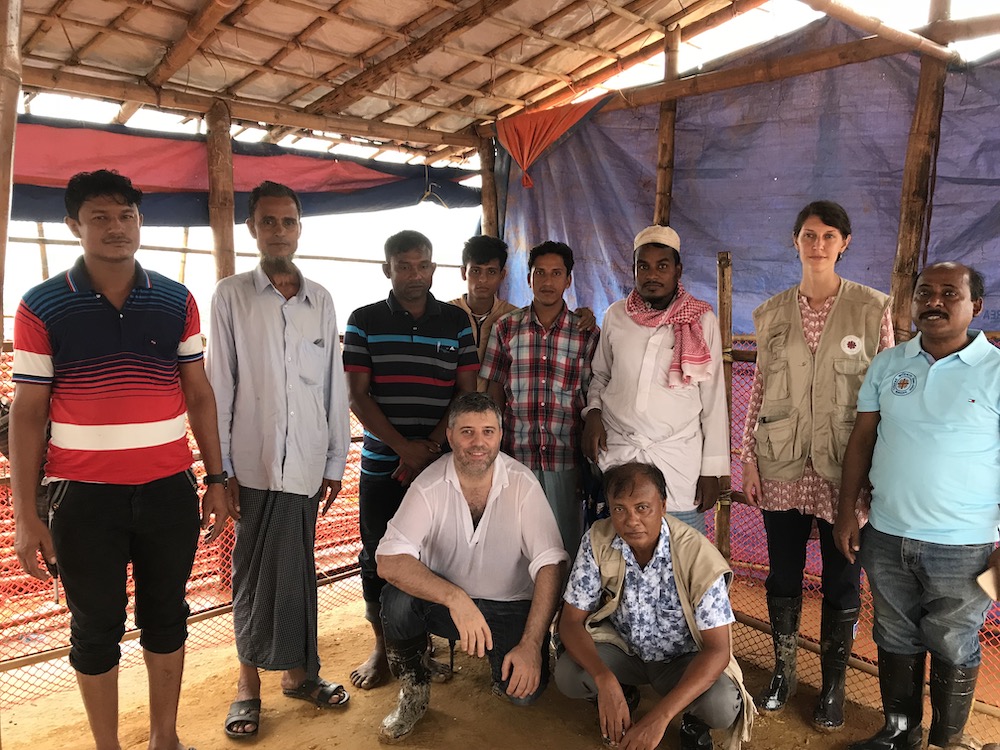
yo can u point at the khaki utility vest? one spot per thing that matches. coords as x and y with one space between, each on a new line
810 402
697 565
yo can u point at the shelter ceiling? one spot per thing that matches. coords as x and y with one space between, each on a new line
414 74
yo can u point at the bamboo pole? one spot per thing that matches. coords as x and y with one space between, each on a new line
723 511
182 273
240 109
220 189
766 71
914 207
43 252
875 26
10 90
668 119
487 162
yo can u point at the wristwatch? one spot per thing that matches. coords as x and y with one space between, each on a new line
222 479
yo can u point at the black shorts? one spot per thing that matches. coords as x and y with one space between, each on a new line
97 529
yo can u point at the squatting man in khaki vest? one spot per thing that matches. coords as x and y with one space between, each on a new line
648 602
473 555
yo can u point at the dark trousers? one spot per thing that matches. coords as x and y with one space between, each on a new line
787 536
378 500
97 529
405 617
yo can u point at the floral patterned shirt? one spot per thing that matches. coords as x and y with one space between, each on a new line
649 617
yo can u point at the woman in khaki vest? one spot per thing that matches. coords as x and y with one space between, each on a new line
814 344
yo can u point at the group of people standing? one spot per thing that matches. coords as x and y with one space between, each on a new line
479 418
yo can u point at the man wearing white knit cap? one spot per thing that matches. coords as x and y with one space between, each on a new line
657 394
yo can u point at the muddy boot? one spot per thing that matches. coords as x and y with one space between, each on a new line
901 679
836 640
695 734
784 613
952 692
406 661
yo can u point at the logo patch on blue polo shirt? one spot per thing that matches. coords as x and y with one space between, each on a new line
904 383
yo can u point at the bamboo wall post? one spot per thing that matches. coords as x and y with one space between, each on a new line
668 119
723 512
918 168
221 215
43 251
487 164
10 90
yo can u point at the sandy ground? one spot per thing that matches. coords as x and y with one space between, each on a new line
463 714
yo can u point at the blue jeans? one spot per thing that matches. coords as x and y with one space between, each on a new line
926 596
691 517
405 617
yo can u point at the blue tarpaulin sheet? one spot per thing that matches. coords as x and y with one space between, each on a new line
746 161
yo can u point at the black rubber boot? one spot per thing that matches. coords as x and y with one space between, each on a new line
784 613
952 693
836 641
695 734
406 662
901 679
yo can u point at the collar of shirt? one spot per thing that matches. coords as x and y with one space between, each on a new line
560 322
78 279
261 282
433 306
497 485
661 555
971 354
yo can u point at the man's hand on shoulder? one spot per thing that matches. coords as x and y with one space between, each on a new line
329 490
588 321
475 637
706 494
595 436
522 666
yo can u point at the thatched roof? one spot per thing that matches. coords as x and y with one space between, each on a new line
418 75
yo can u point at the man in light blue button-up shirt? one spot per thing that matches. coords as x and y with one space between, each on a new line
275 363
928 429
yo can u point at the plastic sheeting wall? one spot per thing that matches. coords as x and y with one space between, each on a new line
748 159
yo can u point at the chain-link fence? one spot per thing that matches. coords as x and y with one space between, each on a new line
35 634
750 565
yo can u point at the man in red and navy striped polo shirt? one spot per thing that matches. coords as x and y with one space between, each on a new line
111 354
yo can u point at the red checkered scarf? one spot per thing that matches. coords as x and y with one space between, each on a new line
691 355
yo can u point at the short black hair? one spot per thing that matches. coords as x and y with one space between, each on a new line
482 248
550 247
104 182
620 480
977 282
473 403
402 242
268 189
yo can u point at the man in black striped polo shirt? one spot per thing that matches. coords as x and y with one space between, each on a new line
405 357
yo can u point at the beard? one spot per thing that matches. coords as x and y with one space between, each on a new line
282 264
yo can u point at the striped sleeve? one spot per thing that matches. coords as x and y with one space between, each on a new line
191 348
32 348
468 352
357 358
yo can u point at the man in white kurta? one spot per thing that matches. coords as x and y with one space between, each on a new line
653 400
473 555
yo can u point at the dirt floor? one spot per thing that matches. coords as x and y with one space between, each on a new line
463 714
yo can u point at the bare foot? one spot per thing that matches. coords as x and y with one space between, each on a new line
440 671
372 673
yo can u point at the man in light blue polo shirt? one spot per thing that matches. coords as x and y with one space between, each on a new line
928 429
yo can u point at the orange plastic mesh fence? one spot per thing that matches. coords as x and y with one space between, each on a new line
750 565
34 624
